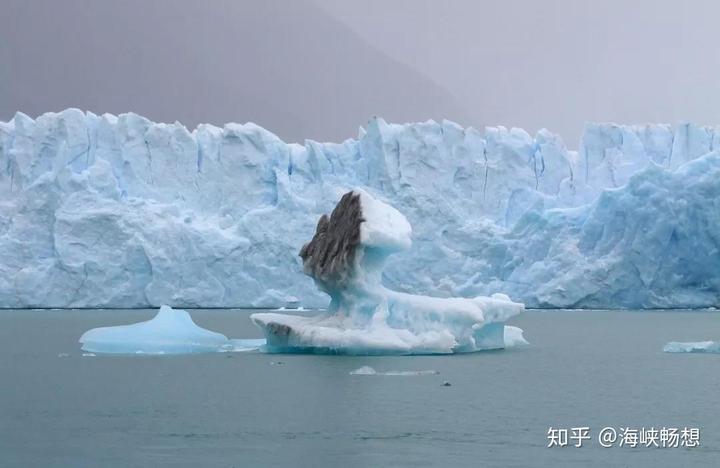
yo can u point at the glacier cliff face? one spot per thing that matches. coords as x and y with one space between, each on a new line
106 211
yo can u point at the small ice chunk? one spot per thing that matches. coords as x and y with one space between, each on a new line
243 345
171 331
693 347
514 337
408 373
367 370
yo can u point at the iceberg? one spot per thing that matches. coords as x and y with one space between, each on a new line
121 212
693 347
171 331
346 259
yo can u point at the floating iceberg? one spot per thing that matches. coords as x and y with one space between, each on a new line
692 347
346 258
171 331
367 370
118 211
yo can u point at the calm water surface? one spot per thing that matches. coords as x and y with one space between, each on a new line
589 368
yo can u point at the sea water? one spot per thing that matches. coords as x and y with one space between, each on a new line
60 406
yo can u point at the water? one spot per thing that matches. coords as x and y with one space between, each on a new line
592 368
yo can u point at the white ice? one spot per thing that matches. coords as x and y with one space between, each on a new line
171 331
365 317
119 212
514 337
692 347
367 370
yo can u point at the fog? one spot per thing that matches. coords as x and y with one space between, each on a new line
320 68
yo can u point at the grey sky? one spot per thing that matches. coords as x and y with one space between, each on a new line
320 68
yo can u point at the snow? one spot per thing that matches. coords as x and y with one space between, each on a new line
692 347
171 331
118 211
364 316
384 227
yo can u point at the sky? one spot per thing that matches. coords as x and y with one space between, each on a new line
319 69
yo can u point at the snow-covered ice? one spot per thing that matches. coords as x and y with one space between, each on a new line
346 258
119 211
171 331
692 347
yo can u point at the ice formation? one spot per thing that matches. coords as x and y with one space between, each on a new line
346 258
106 211
171 331
367 370
514 337
693 347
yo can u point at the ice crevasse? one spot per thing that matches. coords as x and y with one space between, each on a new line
118 211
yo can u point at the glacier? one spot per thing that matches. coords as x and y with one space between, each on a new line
346 258
121 212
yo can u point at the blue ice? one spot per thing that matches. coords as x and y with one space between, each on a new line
171 331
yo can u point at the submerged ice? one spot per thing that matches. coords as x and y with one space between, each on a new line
171 331
119 211
346 259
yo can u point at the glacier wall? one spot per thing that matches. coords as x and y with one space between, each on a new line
118 211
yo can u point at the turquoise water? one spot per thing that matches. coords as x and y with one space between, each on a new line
584 368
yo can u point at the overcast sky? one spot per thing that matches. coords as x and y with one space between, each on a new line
320 68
